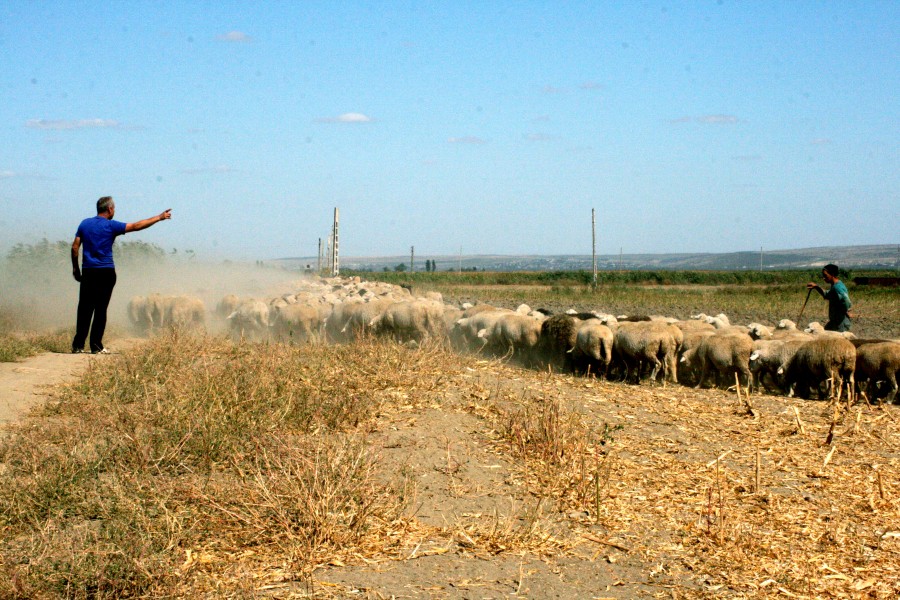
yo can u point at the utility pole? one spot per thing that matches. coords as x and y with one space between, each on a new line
460 260
760 259
594 246
319 260
412 258
335 256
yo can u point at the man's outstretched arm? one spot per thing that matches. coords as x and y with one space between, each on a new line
145 223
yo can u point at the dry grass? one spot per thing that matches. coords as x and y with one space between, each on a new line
193 463
16 344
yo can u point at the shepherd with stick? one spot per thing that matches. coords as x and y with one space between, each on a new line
837 296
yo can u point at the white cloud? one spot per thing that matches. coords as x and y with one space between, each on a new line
549 89
204 170
821 142
62 124
238 37
8 174
591 85
718 119
346 118
467 139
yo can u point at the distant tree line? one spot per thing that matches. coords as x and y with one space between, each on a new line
43 255
430 267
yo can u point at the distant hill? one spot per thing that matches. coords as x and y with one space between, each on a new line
885 256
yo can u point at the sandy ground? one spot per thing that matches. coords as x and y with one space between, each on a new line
30 382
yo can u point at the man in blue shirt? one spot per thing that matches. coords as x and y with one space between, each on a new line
95 237
838 299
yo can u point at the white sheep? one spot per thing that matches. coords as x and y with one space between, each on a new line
227 305
465 331
513 333
718 322
786 324
816 328
351 319
594 341
410 320
725 354
185 312
298 322
653 343
758 331
140 314
688 369
768 356
250 320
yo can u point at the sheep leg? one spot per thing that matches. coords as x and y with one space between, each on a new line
672 367
633 367
702 376
748 377
837 383
656 367
892 381
851 385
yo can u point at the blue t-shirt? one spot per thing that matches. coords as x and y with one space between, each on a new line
97 236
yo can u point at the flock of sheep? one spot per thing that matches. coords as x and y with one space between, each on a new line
697 351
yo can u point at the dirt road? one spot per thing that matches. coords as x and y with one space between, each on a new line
29 382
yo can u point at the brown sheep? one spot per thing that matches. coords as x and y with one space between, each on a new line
824 360
878 362
558 337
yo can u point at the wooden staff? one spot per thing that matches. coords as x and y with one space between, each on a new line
800 316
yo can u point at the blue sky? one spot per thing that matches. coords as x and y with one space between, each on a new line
486 127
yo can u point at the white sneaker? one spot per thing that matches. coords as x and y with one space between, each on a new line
103 351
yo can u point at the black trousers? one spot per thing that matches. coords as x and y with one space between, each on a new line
93 299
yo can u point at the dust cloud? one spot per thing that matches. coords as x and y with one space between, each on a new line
45 298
